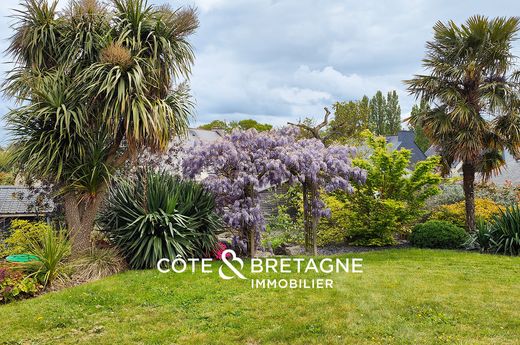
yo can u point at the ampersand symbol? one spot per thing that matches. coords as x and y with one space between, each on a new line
229 264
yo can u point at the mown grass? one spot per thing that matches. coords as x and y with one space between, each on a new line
404 296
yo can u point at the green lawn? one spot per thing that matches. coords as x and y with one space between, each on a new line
404 296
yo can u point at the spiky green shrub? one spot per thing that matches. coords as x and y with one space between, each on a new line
481 238
157 215
52 249
98 263
505 231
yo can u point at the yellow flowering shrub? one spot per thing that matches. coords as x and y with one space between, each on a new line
22 233
456 213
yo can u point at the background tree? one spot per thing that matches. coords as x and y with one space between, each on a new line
473 91
420 137
215 124
96 84
385 114
242 124
350 120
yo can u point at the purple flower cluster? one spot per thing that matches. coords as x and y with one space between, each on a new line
238 167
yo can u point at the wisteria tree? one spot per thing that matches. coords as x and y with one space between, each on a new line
236 169
317 167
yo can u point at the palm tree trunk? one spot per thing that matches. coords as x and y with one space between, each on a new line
80 216
468 173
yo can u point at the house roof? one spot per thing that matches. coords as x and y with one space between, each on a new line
406 140
17 201
510 172
196 135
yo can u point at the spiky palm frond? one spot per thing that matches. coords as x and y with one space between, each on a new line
37 34
50 127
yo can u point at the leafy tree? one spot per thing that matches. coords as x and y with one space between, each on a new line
385 114
215 124
420 137
96 84
392 197
350 119
242 124
393 113
250 123
7 174
473 91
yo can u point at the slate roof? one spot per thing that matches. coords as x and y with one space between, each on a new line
16 201
406 139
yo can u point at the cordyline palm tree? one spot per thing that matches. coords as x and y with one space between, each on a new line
473 90
96 84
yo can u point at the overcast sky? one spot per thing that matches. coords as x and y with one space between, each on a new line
281 60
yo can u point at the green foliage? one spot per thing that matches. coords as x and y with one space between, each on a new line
385 114
281 229
393 198
334 229
22 233
98 263
505 195
250 123
350 120
285 226
157 215
481 238
474 124
242 124
374 221
14 284
438 234
420 136
505 231
52 248
7 173
450 194
215 124
456 213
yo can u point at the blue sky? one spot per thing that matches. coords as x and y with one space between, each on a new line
281 60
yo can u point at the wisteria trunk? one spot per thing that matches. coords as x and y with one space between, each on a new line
251 242
314 219
251 229
310 220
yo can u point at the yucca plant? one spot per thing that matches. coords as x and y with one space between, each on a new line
480 239
157 215
505 236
